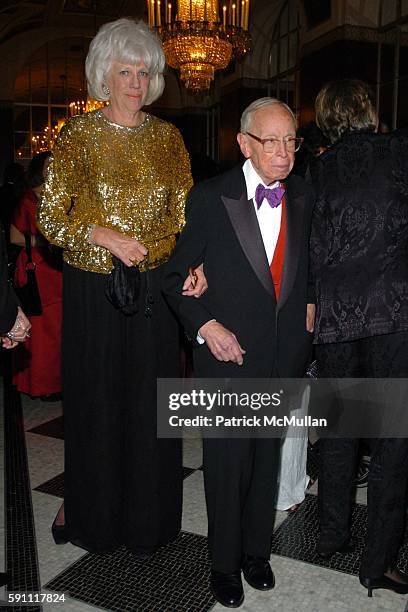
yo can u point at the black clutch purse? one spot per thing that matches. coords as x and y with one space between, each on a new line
29 294
123 287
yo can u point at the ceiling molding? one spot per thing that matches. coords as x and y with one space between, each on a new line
355 33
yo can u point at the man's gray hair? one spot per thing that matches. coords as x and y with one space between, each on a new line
246 117
129 42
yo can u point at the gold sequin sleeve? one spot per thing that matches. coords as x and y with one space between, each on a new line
64 175
182 179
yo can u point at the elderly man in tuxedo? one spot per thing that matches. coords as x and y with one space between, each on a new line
250 228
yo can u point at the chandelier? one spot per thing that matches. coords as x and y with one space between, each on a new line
79 107
45 140
196 41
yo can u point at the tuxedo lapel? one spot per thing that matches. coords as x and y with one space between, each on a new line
295 206
245 223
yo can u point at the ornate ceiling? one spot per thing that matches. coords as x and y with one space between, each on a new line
17 16
89 7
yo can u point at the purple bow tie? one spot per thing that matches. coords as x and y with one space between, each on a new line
274 196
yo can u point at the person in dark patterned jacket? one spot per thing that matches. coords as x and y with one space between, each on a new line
359 267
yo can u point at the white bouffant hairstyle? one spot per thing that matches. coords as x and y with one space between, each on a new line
126 41
246 117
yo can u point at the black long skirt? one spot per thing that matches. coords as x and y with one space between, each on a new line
122 484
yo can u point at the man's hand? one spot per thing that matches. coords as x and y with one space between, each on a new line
196 283
310 317
222 343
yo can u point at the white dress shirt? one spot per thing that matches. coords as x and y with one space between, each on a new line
269 218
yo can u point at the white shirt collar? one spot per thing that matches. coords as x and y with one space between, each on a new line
253 179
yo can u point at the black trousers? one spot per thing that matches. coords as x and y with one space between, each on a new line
240 479
122 484
375 357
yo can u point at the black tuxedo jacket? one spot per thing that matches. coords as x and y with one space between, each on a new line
359 238
222 231
8 300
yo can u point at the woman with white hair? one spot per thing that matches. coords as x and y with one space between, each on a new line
114 200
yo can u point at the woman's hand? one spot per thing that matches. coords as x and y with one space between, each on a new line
19 332
196 283
127 249
16 237
7 343
310 317
36 240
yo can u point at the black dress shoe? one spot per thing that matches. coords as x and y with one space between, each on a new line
327 554
143 553
227 588
257 572
383 583
58 533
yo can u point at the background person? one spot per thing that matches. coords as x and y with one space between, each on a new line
10 194
14 325
314 144
293 478
116 187
359 264
37 367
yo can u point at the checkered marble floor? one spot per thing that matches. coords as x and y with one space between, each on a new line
176 578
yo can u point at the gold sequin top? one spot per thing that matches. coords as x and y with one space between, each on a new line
130 179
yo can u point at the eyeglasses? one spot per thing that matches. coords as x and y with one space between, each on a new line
271 145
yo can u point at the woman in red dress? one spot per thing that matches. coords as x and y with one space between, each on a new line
38 363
